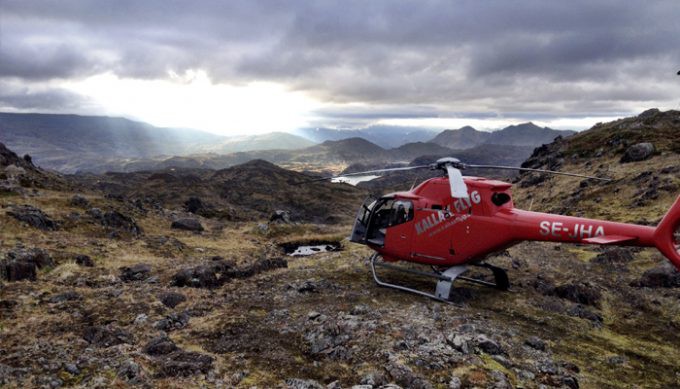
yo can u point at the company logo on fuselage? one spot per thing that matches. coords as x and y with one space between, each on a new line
440 216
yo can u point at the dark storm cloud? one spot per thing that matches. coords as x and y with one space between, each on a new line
47 100
453 57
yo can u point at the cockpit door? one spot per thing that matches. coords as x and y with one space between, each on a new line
399 229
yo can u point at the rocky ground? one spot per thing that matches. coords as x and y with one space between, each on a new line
102 290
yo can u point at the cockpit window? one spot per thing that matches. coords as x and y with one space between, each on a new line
403 212
393 212
365 211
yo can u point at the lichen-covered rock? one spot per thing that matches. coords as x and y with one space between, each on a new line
638 152
32 216
405 376
297 383
488 345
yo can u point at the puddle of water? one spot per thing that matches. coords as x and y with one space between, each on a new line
302 251
353 180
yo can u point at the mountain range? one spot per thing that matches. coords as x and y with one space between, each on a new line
525 134
73 143
384 136
69 143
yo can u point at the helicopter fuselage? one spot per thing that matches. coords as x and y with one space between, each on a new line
426 225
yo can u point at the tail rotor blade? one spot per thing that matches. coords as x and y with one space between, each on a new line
458 188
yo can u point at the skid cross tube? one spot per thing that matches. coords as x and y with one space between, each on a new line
445 279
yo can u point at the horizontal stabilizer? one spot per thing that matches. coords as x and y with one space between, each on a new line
609 239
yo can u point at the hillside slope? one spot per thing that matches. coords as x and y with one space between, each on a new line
641 191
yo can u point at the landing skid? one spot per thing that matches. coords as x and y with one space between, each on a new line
444 279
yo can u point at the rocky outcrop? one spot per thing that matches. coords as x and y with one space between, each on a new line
32 216
22 264
216 273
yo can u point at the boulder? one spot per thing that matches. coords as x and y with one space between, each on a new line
201 276
536 343
172 299
138 272
582 312
187 224
614 255
405 376
173 321
184 364
121 222
579 293
664 276
280 216
66 296
198 207
17 271
130 371
106 336
161 345
22 264
84 260
488 345
638 152
79 201
297 383
32 216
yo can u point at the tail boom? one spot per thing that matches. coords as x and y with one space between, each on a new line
527 225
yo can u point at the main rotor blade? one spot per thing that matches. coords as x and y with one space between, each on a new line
526 169
458 187
394 169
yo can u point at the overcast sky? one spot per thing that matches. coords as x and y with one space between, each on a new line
254 66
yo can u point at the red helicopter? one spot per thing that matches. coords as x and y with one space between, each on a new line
453 222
